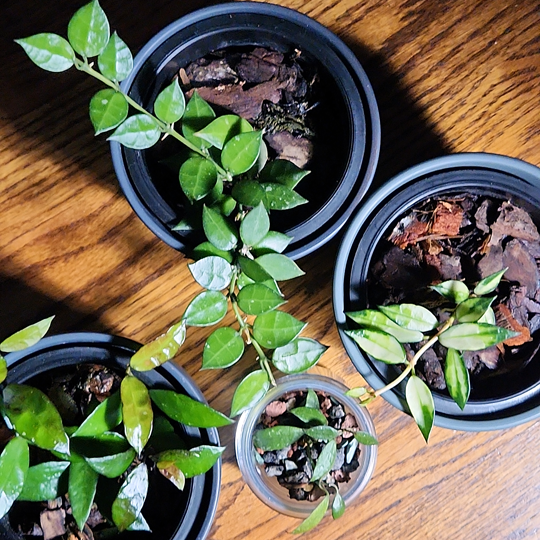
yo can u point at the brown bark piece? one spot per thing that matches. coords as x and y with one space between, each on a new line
480 215
447 266
521 265
514 222
299 150
506 320
408 231
213 73
491 262
402 270
52 523
446 219
488 357
259 66
276 408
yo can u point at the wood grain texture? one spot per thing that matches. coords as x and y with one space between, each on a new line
449 76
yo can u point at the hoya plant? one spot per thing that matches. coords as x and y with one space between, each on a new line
121 438
467 324
231 187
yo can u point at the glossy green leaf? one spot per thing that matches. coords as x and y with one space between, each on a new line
116 60
338 506
452 289
322 433
42 481
457 379
474 336
164 436
376 320
139 131
27 336
283 172
273 242
82 485
222 349
14 462
241 152
276 328
206 309
280 267
136 411
219 230
206 249
257 298
279 197
213 273
222 129
105 417
226 205
309 414
198 176
131 497
325 461
411 317
140 524
488 317
192 462
420 402
48 51
255 225
249 392
314 518
248 192
114 465
160 350
380 345
472 309
277 437
35 418
3 369
365 438
88 30
489 283
198 115
108 109
244 281
170 471
188 411
253 269
170 103
298 355
312 400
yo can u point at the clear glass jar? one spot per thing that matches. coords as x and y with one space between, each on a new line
267 488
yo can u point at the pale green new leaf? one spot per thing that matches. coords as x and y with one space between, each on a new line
376 320
170 103
88 30
488 317
27 336
380 345
222 349
314 518
411 317
421 405
457 379
472 309
3 369
48 51
108 109
241 152
474 336
206 309
116 61
250 391
452 289
139 131
489 283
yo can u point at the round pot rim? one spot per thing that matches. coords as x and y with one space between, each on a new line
477 160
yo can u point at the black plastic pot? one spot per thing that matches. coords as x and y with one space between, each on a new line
171 514
509 400
341 173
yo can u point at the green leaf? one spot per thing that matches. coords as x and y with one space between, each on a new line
14 462
309 414
105 417
170 471
198 114
322 433
276 438
213 273
198 176
219 230
160 350
420 402
116 60
225 205
241 152
489 283
222 349
139 131
35 418
314 518
206 249
257 298
278 197
88 30
82 490
248 192
131 497
163 436
452 289
357 392
114 465
222 129
283 172
108 109
192 462
48 51
276 328
273 242
170 104
488 317
3 369
255 225
206 309
312 401
249 392
139 524
338 505
365 438
280 267
298 356
27 336
380 345
136 411
188 411
253 269
456 376
474 336
472 309
376 320
325 461
42 481
411 317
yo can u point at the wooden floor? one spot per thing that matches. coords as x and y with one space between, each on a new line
449 75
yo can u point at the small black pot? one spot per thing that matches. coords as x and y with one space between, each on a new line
171 514
512 399
340 175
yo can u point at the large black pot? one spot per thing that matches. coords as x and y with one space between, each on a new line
510 399
171 514
341 173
